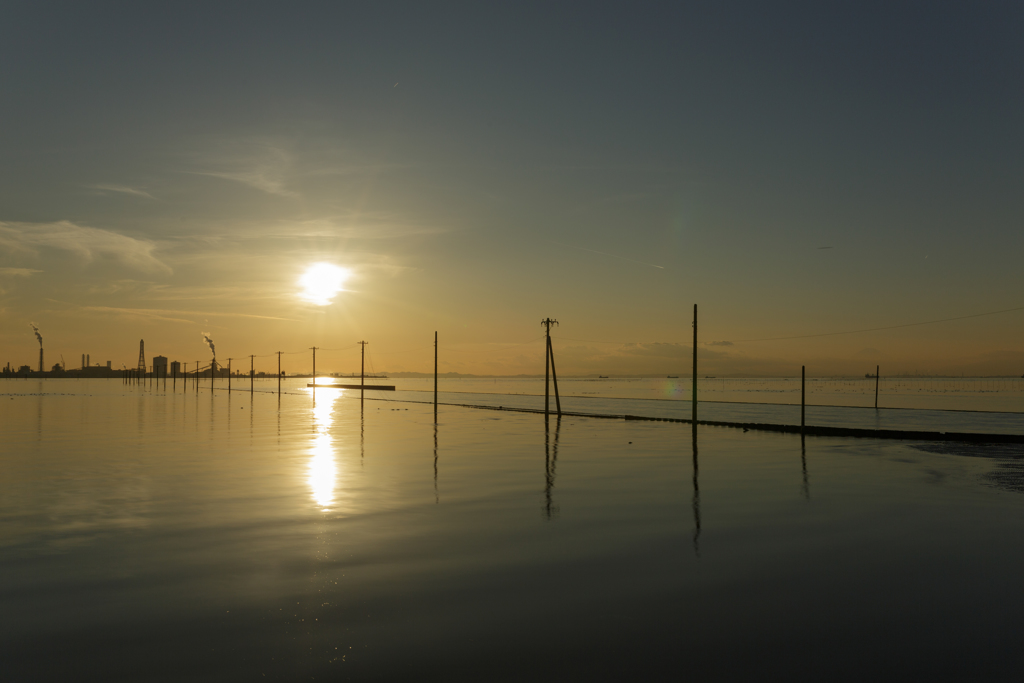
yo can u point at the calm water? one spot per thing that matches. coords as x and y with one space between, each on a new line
151 535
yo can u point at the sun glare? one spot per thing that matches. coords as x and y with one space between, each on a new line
321 283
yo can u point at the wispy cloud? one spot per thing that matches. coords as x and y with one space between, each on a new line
171 315
264 167
265 179
361 226
123 189
18 272
85 241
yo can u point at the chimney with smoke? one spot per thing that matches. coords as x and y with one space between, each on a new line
213 350
40 338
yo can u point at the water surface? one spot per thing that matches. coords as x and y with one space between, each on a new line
156 535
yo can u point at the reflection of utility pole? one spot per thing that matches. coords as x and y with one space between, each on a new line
549 367
803 463
362 369
550 464
696 495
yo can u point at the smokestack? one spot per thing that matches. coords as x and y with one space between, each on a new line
40 359
83 361
88 361
213 350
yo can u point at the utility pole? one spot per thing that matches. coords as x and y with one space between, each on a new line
314 365
197 378
279 373
435 376
229 375
252 375
694 399
547 323
876 387
554 379
362 369
803 395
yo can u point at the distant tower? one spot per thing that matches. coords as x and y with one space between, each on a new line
40 359
83 361
88 360
142 356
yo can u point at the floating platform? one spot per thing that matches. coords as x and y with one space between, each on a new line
367 387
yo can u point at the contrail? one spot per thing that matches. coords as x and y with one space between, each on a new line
209 342
595 251
38 336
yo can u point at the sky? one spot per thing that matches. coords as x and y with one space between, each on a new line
803 171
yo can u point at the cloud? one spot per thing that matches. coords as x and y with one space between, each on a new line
168 315
265 169
18 272
362 226
82 240
720 343
124 189
265 179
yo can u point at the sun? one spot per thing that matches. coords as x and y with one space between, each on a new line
321 283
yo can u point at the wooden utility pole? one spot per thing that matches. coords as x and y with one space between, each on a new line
229 375
694 399
547 323
876 387
252 375
435 376
279 373
803 394
197 378
314 365
362 369
554 377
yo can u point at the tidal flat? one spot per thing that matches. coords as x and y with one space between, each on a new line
148 534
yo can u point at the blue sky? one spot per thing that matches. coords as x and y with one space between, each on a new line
171 170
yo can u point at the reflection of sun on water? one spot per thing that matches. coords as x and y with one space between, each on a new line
323 470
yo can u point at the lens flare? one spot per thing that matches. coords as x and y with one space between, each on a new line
321 283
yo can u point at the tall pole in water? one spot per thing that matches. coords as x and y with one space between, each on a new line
197 378
547 323
435 375
876 387
229 375
314 365
362 369
803 394
252 375
279 373
694 398
554 378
